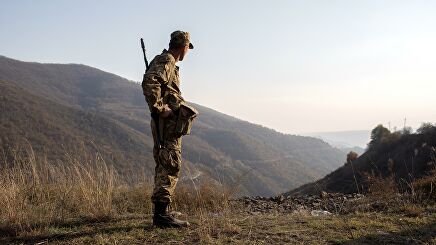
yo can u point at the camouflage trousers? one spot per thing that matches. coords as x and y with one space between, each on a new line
168 161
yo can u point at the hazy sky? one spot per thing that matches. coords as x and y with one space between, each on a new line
295 66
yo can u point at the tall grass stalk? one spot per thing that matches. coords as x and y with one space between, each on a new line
36 193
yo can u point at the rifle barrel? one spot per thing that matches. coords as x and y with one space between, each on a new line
143 52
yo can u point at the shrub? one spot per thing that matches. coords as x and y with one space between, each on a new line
426 127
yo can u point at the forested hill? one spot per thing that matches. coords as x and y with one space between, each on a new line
401 155
63 107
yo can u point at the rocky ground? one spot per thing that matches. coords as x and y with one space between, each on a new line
323 204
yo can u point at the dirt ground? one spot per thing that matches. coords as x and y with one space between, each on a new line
229 228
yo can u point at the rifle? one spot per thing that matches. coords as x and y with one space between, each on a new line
143 52
154 115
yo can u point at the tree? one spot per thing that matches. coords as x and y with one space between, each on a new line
351 156
426 127
406 130
378 135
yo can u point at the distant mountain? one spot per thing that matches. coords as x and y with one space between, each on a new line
344 139
358 150
56 107
406 157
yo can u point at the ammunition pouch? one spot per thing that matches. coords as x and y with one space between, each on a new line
185 119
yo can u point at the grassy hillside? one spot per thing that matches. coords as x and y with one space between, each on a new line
53 130
260 160
88 202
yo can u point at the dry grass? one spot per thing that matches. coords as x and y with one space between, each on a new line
366 228
425 187
382 188
386 194
207 196
36 193
85 201
412 210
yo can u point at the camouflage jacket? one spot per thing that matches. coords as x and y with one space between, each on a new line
161 83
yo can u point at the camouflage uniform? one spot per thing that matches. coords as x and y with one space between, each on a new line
161 85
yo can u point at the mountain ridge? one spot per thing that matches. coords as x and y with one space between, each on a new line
269 161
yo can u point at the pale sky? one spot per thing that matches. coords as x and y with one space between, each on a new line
294 66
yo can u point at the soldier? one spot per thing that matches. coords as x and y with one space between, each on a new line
161 87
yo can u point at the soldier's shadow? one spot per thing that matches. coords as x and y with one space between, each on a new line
97 227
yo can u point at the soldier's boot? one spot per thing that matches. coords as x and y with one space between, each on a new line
162 219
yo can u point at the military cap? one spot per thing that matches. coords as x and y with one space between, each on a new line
181 37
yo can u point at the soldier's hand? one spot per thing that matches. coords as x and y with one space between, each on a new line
166 111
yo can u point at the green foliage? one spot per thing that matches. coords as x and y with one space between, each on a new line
406 130
378 135
351 156
426 127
